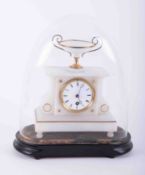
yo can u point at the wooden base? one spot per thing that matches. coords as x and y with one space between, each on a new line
79 149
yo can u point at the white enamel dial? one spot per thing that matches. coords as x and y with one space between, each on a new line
77 95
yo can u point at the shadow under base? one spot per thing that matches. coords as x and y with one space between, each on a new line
72 144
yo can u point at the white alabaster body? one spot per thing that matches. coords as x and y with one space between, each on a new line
59 119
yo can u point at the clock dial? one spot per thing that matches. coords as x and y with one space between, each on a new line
77 95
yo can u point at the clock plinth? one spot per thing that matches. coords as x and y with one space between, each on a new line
72 144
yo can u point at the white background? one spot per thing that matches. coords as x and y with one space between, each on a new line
21 23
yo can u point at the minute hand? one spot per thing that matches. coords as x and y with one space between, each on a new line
79 93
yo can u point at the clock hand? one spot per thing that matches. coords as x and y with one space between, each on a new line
78 95
81 88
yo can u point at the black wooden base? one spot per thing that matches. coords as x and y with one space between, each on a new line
73 150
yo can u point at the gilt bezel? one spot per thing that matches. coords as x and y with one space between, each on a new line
68 82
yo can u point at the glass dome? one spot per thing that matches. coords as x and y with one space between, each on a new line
74 90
